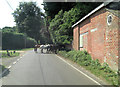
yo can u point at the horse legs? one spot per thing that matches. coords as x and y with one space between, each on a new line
42 50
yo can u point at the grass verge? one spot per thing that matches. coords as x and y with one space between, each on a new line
2 68
84 59
11 54
25 49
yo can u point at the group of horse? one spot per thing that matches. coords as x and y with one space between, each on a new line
49 48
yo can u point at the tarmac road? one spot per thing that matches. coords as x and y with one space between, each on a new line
44 69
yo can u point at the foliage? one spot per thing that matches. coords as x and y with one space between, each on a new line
30 42
2 68
29 19
54 25
18 50
61 26
4 54
85 60
9 29
16 41
52 8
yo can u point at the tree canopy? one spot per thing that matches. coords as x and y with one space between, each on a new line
10 29
29 19
52 8
61 26
12 39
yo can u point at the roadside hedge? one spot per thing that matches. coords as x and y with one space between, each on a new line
16 41
101 70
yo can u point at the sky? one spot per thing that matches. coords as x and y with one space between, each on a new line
7 7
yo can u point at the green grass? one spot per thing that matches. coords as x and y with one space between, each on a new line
2 67
84 59
4 54
25 49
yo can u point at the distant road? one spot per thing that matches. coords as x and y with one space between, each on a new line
44 69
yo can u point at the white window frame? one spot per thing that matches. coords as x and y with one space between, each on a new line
81 44
81 41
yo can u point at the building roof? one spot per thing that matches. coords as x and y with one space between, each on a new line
92 12
114 12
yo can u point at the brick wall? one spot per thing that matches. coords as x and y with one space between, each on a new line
111 41
75 38
95 38
102 39
119 44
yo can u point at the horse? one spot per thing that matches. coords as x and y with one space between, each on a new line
51 48
44 47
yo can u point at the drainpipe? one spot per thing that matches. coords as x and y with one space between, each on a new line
78 36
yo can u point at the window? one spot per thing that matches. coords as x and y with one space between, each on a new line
109 19
81 41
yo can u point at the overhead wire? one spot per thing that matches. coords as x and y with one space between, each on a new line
9 4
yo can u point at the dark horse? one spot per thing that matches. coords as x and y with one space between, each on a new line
35 48
55 47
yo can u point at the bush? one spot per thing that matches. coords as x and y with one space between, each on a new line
71 54
30 42
2 68
16 41
62 53
84 59
11 54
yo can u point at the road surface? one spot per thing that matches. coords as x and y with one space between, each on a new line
44 69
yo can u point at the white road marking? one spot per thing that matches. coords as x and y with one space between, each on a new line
9 67
18 59
80 71
14 62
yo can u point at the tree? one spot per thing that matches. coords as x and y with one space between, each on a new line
52 8
29 19
54 27
9 29
61 26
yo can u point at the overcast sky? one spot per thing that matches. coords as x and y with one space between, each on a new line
7 7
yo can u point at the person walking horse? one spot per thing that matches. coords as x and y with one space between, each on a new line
35 48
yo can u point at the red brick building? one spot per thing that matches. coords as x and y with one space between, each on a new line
98 33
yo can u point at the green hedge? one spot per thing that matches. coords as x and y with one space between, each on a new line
30 42
16 41
84 59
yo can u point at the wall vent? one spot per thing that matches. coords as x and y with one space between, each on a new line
109 19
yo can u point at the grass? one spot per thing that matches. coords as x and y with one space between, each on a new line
2 68
84 59
25 49
11 54
4 53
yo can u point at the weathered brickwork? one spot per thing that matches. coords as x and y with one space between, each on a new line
111 42
101 40
119 44
76 37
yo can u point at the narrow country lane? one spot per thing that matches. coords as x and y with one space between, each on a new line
44 69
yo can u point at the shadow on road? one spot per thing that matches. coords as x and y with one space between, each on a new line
3 71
